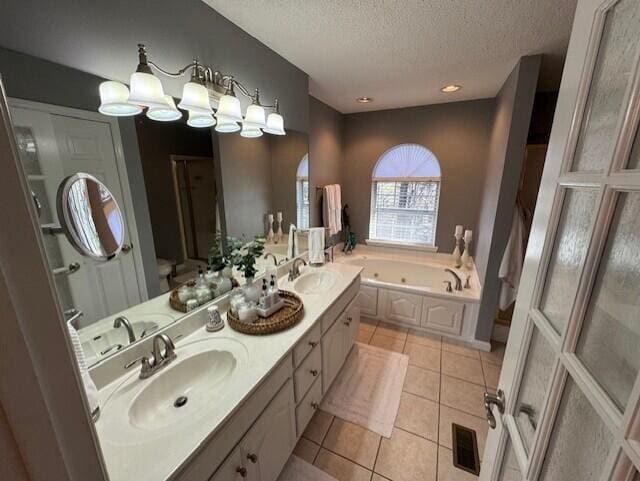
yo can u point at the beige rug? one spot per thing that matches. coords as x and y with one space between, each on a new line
367 391
298 469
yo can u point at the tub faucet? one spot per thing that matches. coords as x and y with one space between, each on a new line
457 277
123 321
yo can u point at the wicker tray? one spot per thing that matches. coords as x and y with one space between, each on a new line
286 317
178 305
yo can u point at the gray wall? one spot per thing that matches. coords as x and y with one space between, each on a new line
246 183
286 153
514 104
457 133
101 38
326 165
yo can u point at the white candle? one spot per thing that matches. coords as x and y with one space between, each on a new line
458 230
279 217
270 217
468 235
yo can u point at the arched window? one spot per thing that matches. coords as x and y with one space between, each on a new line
302 193
405 190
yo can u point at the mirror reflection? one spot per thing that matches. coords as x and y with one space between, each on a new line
151 208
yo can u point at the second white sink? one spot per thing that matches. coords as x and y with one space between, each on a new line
315 282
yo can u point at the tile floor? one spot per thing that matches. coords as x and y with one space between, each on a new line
444 384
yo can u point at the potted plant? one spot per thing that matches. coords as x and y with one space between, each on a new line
245 260
221 260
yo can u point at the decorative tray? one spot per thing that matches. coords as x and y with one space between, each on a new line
178 305
283 319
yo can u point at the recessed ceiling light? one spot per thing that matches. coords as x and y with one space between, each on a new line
364 100
448 89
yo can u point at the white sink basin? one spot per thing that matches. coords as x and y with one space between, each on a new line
180 394
315 282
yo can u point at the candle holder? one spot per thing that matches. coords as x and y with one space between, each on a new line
457 252
270 231
279 233
466 257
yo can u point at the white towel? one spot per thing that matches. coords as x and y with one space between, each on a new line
291 243
512 261
316 245
332 208
89 386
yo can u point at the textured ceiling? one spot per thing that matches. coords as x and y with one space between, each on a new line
402 52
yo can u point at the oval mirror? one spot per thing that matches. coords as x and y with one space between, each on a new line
90 216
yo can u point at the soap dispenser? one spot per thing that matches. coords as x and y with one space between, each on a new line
265 299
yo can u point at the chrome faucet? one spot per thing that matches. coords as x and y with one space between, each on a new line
457 277
328 254
123 321
273 256
294 273
158 359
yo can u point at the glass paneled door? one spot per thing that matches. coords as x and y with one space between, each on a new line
570 384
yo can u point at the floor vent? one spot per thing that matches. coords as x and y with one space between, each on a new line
465 449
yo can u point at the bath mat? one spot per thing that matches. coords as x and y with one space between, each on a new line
298 469
367 391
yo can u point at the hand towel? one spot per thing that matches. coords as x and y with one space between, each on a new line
337 207
332 208
291 251
89 386
512 261
316 245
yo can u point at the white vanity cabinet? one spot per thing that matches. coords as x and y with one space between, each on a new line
264 450
337 343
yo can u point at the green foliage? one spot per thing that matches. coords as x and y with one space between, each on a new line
245 255
221 256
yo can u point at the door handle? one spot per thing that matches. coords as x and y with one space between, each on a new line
493 399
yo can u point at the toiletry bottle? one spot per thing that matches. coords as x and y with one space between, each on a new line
265 300
274 295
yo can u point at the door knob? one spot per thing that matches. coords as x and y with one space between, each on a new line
493 399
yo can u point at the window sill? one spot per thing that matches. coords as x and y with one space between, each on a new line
401 245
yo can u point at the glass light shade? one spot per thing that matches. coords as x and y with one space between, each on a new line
226 125
250 130
255 116
165 114
200 120
275 124
146 90
114 100
229 107
195 98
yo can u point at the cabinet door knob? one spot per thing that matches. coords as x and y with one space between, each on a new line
252 457
241 471
315 405
313 343
349 318
347 323
314 372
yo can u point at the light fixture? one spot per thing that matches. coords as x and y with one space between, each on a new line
165 114
226 125
146 89
200 120
364 100
195 97
449 89
114 100
250 131
275 122
206 85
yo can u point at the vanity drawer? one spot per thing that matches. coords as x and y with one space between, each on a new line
340 305
308 405
308 372
309 341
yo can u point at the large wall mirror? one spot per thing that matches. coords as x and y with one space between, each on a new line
181 192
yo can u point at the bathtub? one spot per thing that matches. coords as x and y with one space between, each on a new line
410 290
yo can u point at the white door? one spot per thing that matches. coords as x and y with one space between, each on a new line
54 143
570 375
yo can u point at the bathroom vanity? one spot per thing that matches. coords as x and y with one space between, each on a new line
230 406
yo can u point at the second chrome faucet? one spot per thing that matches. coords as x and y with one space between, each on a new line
163 353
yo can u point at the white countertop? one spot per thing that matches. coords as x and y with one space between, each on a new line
161 454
